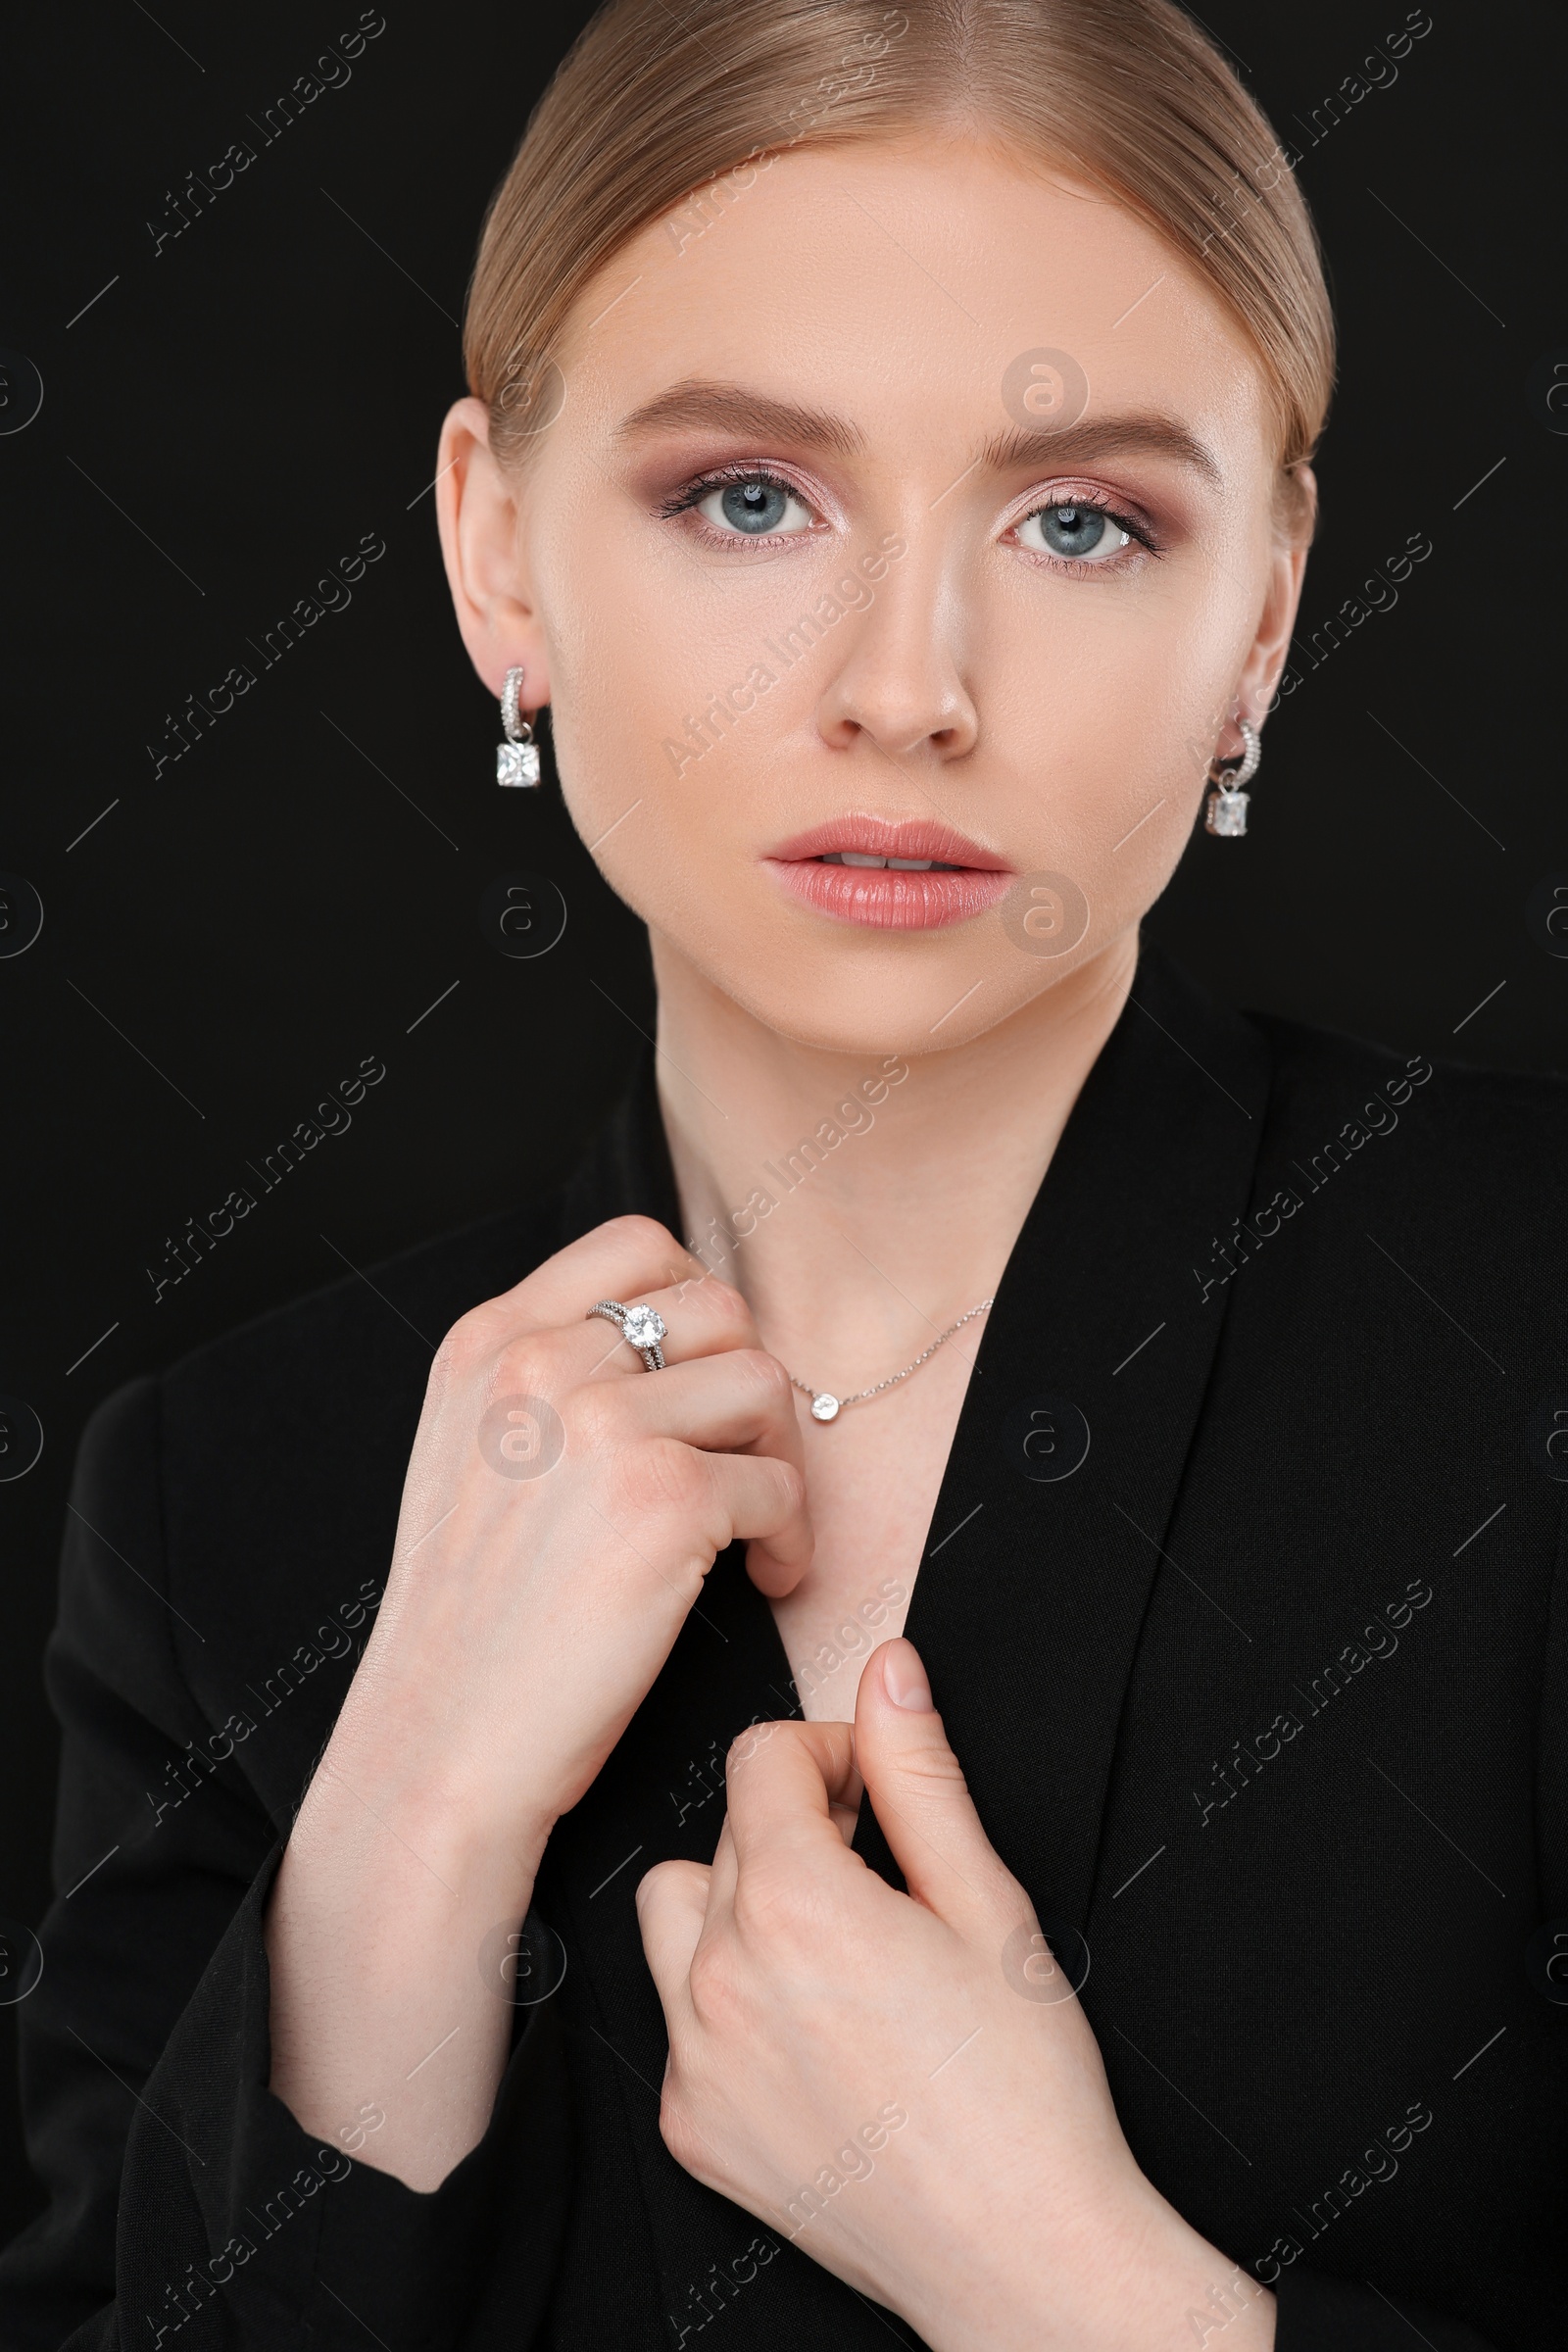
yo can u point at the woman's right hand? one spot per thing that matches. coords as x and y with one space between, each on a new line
560 1513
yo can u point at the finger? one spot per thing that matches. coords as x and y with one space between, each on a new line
843 1812
623 1258
702 1317
781 1790
671 1906
724 1867
700 1320
705 1501
738 1402
763 1501
921 1800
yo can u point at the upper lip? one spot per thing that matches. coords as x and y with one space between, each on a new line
889 837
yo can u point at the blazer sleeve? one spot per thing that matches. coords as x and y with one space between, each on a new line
181 2191
1315 2313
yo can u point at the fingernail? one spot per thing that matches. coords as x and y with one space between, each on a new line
904 1678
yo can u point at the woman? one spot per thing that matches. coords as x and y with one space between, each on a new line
1004 1797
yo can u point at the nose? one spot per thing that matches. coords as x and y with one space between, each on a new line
898 681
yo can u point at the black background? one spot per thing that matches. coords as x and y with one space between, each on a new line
227 415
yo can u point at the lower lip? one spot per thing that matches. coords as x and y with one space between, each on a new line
886 899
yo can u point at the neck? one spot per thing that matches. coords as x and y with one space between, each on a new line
862 1201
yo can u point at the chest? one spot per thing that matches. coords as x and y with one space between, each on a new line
873 1478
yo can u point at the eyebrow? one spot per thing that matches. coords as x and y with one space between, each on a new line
1144 434
731 407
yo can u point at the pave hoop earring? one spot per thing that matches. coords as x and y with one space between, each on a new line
518 759
1227 803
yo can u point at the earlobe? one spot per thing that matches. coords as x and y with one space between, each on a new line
476 514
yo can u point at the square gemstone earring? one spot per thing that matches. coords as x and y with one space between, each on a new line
1227 803
518 759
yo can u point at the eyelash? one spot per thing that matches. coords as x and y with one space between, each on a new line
1140 534
686 501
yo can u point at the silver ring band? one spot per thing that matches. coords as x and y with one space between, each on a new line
641 1327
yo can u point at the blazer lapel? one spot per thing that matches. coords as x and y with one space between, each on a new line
1042 1556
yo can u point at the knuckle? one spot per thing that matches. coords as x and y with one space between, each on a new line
597 1415
639 1232
771 1911
790 1483
723 1300
714 1992
661 1474
678 2126
524 1365
766 1375
464 1345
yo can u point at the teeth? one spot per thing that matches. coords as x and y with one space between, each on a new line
899 866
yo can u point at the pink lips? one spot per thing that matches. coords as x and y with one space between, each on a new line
962 880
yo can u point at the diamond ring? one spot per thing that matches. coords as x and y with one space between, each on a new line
641 1327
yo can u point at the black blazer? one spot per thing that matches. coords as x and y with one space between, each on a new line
1264 1703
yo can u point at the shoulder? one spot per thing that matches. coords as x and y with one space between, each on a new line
1411 1176
1483 1127
254 1488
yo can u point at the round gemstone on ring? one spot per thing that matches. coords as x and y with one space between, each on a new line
644 1326
824 1407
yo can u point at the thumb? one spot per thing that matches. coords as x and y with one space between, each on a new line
921 1800
672 1907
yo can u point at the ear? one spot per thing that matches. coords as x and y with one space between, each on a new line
1266 658
477 510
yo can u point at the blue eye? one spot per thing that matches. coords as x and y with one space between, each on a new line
758 506
1073 530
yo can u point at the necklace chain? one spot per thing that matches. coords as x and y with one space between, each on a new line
821 1397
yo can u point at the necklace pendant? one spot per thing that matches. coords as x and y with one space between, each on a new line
824 1407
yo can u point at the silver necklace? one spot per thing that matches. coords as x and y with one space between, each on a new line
827 1407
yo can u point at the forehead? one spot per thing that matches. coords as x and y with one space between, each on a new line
912 289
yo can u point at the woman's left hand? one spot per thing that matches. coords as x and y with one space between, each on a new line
887 2079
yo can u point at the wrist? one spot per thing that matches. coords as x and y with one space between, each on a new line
467 1830
1177 2288
1127 2274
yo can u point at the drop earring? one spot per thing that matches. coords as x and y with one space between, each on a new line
518 759
1227 803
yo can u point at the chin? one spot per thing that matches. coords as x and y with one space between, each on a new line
870 993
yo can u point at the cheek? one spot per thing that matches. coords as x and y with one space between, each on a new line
684 736
1102 710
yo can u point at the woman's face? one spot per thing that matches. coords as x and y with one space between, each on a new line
913 506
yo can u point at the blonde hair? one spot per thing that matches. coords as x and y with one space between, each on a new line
648 110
